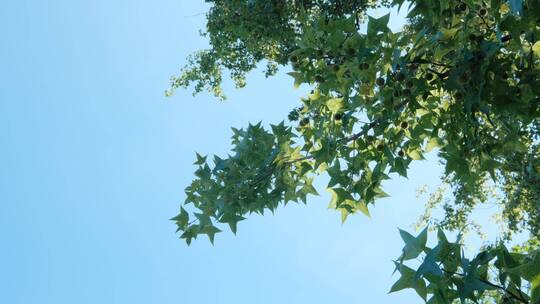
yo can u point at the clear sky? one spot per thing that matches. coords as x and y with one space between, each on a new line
95 159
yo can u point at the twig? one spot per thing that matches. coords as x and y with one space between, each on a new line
520 299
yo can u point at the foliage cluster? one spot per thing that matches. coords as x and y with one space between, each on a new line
462 77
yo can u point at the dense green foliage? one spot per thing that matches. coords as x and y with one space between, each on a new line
494 275
461 77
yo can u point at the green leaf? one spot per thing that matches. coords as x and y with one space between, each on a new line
232 220
200 159
211 231
514 144
335 104
376 25
309 189
448 34
379 193
298 78
204 219
536 48
344 214
429 267
362 206
441 52
413 245
531 272
433 143
415 154
488 164
190 233
181 219
400 166
408 280
220 164
339 195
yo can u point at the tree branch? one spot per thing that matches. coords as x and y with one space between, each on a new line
518 298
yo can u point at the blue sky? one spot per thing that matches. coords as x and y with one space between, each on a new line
95 160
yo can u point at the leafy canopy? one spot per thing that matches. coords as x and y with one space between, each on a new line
460 78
